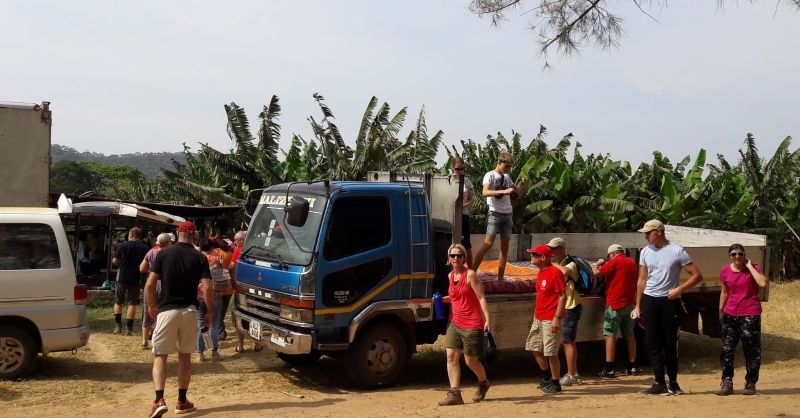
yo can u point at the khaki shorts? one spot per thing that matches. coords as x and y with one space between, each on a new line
470 341
175 329
542 339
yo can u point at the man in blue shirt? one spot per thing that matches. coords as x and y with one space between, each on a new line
658 302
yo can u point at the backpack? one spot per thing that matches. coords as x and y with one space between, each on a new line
587 283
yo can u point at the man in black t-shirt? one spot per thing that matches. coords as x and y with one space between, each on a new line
128 256
181 270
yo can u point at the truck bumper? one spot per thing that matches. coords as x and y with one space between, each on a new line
64 339
277 338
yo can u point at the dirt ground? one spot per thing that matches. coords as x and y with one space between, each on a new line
111 377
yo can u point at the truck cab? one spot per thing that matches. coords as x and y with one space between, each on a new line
348 269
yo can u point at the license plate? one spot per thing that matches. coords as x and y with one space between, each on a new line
255 330
277 339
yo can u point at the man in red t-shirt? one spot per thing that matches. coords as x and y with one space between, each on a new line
545 336
620 274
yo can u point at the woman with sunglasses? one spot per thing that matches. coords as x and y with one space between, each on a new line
740 315
469 317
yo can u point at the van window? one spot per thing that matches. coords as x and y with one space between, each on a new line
357 224
28 247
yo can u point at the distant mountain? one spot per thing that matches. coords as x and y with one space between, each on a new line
148 163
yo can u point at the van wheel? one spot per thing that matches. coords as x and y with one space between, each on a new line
378 356
298 360
17 352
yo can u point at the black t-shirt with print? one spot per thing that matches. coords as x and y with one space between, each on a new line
181 268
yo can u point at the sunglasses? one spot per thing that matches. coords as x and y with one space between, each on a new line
456 256
736 254
458 168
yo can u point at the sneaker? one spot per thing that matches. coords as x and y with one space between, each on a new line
658 388
569 380
545 383
453 398
631 371
674 389
554 387
480 394
159 408
577 379
216 356
608 374
749 388
184 407
203 356
725 388
117 329
128 332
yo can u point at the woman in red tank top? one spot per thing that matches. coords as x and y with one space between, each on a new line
469 319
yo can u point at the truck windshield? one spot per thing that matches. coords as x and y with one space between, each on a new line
268 237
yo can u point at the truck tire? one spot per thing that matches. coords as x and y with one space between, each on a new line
378 356
299 360
17 352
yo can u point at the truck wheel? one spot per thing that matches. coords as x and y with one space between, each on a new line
17 352
378 356
299 360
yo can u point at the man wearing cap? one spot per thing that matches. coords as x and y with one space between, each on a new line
572 310
544 338
658 301
180 268
620 279
498 188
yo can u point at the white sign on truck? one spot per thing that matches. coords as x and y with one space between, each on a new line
25 154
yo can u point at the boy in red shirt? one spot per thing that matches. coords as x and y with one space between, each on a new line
545 336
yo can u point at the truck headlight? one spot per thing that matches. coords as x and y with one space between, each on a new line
297 315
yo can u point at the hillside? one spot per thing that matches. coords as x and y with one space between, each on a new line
148 163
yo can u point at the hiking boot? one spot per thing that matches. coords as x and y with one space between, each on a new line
554 387
569 380
658 388
117 329
480 394
453 398
674 389
608 374
725 388
159 408
184 407
749 388
216 356
631 371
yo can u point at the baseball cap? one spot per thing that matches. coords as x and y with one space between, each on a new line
556 242
187 227
652 225
544 250
615 247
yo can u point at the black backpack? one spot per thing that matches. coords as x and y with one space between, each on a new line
587 283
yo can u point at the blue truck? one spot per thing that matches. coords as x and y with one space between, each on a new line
348 270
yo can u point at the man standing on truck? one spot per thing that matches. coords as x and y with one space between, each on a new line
620 279
658 301
468 195
128 256
498 188
544 338
181 269
572 310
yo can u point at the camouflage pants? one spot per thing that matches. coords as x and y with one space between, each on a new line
748 330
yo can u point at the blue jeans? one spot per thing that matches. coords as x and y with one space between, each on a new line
202 310
220 308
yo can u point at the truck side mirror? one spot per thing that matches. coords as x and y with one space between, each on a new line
296 211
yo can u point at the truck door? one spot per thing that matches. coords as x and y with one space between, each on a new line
356 258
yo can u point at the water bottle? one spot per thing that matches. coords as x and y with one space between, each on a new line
438 307
206 337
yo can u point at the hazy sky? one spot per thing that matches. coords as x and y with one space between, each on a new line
148 75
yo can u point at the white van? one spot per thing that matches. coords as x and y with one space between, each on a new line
42 308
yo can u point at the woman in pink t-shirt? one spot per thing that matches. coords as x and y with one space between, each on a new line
469 318
740 315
